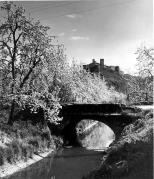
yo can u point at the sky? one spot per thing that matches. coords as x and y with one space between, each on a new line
109 29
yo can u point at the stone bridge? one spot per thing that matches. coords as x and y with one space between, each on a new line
115 116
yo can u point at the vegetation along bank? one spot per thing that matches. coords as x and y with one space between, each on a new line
35 76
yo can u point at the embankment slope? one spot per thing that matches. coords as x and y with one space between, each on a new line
131 157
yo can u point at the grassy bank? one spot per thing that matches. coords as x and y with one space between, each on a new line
22 144
130 157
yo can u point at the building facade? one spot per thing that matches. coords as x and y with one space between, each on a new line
96 67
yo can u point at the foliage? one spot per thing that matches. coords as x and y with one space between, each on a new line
25 51
24 45
145 61
78 85
140 87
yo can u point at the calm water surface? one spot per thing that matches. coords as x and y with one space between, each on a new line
71 163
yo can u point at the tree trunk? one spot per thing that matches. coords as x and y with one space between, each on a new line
146 97
11 115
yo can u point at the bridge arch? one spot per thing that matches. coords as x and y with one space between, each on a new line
115 122
115 116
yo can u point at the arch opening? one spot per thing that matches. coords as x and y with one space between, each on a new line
93 134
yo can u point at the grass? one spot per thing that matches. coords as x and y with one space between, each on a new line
22 140
131 157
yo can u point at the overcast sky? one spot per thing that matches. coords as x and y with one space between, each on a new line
109 29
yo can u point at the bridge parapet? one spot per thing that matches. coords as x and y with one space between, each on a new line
96 109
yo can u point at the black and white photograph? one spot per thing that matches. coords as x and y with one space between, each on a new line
76 89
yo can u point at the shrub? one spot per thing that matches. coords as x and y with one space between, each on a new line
45 135
15 145
25 151
57 141
1 156
33 141
9 155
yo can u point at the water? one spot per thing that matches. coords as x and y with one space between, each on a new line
71 163
75 162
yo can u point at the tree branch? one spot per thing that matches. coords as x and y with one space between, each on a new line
8 47
18 37
29 72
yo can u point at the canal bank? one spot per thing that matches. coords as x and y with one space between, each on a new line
8 169
68 163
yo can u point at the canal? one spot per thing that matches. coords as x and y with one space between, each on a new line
74 162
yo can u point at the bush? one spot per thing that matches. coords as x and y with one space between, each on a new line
34 141
1 156
15 145
57 142
46 135
9 155
24 151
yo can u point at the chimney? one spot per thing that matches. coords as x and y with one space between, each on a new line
117 69
101 66
93 61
